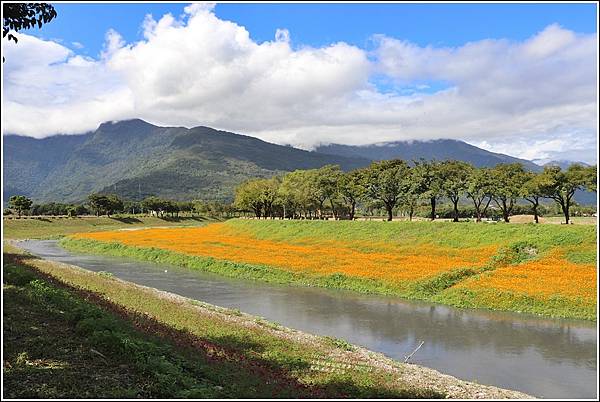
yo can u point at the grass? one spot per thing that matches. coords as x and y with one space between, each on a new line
53 228
442 262
73 333
449 234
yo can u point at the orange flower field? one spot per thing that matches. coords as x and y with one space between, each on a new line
391 263
461 265
548 276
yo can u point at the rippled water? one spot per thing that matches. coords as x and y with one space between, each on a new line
549 358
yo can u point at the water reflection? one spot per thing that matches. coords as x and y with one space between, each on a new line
544 357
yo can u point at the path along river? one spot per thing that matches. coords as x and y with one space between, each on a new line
549 358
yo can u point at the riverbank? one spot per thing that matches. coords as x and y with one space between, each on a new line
241 345
546 270
55 227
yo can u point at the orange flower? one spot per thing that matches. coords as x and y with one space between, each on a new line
391 263
549 276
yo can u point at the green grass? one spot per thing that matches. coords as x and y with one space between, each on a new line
555 306
449 234
147 345
53 228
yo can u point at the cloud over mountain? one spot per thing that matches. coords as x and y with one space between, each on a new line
198 69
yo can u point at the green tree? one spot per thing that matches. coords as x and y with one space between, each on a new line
508 182
294 193
384 182
592 178
99 203
351 189
533 191
561 185
115 204
429 182
480 187
327 179
269 195
19 203
154 204
249 196
455 175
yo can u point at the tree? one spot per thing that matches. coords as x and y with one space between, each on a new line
270 195
20 203
105 204
410 192
532 191
384 182
429 182
99 203
327 179
18 16
249 196
350 187
561 185
454 175
508 182
294 192
154 204
115 204
480 186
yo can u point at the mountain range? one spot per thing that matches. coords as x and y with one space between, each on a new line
136 159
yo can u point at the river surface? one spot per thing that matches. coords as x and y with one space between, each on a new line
550 358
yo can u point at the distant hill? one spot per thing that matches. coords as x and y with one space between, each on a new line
442 149
564 164
136 159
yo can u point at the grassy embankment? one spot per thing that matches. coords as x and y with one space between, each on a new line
53 228
541 269
71 333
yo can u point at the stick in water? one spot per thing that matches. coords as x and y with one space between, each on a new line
414 351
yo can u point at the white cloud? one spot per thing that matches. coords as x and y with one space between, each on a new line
200 70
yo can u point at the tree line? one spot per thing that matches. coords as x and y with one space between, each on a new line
396 184
110 204
390 185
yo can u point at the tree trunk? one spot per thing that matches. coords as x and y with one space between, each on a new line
565 208
505 212
389 209
332 209
432 208
352 210
411 212
455 202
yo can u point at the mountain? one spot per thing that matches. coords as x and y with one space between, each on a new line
442 149
564 164
135 159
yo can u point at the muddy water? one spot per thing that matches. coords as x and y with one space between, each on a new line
548 358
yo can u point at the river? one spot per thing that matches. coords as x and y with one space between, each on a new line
549 358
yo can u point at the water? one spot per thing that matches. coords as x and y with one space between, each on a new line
549 358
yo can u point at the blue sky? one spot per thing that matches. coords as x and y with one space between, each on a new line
519 79
322 24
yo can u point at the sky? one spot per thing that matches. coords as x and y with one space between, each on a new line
519 79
